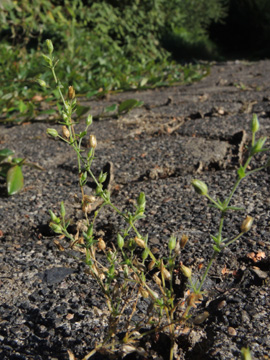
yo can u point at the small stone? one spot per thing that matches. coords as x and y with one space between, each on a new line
221 305
232 331
69 316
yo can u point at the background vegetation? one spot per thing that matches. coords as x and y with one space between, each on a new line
103 45
114 45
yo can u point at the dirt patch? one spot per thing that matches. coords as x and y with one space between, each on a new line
198 130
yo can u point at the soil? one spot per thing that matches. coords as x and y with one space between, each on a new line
49 304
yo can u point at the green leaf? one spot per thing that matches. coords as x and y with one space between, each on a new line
215 238
127 105
82 134
14 180
4 153
235 208
111 108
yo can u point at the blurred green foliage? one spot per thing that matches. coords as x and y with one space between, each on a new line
103 45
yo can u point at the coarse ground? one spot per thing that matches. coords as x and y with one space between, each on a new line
48 302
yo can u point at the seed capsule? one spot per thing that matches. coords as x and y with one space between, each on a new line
71 93
246 224
65 132
92 141
183 241
156 279
101 244
186 270
140 242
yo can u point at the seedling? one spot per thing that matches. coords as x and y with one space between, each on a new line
130 273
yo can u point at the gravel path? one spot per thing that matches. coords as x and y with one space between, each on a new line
48 302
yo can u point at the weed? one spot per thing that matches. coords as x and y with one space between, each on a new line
130 273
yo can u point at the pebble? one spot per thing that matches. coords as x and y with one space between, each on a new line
232 331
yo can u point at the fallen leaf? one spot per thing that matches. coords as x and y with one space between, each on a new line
256 257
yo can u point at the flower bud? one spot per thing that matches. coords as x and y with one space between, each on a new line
246 224
65 132
126 271
140 242
54 218
71 93
102 177
120 241
52 132
145 254
89 120
65 117
258 146
42 83
172 243
200 187
49 46
255 125
92 141
183 241
141 202
186 270
56 228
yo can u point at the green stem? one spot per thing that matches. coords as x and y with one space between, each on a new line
233 240
198 290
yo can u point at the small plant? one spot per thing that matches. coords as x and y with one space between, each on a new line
11 170
130 273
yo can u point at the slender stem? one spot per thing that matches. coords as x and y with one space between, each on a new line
207 270
233 240
232 192
221 227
